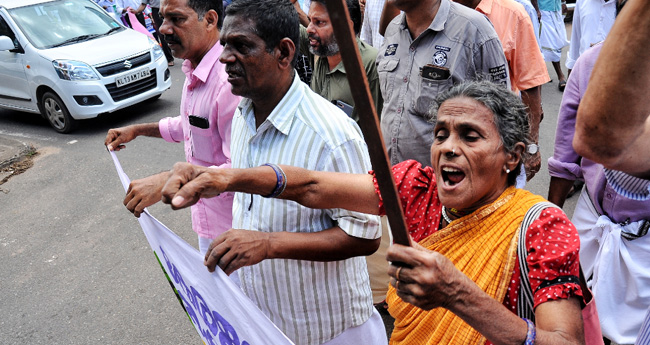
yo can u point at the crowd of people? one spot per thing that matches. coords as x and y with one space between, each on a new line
284 199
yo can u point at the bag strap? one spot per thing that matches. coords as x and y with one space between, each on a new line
525 301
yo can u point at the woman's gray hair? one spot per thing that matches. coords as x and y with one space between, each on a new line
510 115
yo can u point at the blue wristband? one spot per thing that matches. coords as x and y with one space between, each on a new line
530 334
281 181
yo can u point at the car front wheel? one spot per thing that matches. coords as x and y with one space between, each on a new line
54 110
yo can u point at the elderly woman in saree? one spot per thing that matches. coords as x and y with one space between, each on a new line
460 280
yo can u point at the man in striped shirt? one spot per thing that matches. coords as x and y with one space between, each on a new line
303 267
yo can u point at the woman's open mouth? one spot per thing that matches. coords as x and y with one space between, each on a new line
452 176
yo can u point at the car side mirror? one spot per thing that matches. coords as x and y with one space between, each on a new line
7 43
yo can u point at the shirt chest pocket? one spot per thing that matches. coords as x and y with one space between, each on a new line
427 92
386 70
202 145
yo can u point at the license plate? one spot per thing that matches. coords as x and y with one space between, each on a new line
133 77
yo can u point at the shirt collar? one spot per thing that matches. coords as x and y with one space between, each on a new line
202 71
485 7
438 23
283 114
631 187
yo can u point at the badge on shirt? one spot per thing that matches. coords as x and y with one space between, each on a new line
498 73
440 58
391 50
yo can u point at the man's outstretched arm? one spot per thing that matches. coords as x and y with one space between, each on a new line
117 137
188 183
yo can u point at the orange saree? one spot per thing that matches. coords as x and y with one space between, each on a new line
482 245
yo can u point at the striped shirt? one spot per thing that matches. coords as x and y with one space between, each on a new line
370 28
628 186
644 334
311 302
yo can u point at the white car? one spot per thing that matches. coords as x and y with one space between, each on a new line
69 60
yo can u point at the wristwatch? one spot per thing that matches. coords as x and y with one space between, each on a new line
533 149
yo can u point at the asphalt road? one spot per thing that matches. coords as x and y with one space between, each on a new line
76 268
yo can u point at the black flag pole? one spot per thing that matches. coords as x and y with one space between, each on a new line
368 120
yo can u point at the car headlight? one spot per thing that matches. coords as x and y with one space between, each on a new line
156 49
74 70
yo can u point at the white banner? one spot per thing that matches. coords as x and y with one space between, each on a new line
218 309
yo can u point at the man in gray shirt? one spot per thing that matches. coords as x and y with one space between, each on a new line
431 46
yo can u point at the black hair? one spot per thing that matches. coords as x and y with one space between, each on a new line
274 20
355 13
201 7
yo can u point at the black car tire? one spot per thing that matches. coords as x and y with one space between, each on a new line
55 112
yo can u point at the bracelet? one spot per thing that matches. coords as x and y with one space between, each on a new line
530 334
281 181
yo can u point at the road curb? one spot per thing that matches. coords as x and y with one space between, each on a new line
12 150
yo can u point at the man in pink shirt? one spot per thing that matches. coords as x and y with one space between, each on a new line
525 61
207 107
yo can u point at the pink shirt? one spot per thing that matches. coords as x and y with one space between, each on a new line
206 93
517 36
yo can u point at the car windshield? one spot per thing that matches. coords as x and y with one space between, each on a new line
57 23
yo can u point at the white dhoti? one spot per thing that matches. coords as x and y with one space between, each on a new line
552 35
372 331
619 270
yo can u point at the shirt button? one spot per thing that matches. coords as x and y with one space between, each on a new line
412 49
406 79
399 111
609 195
394 140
